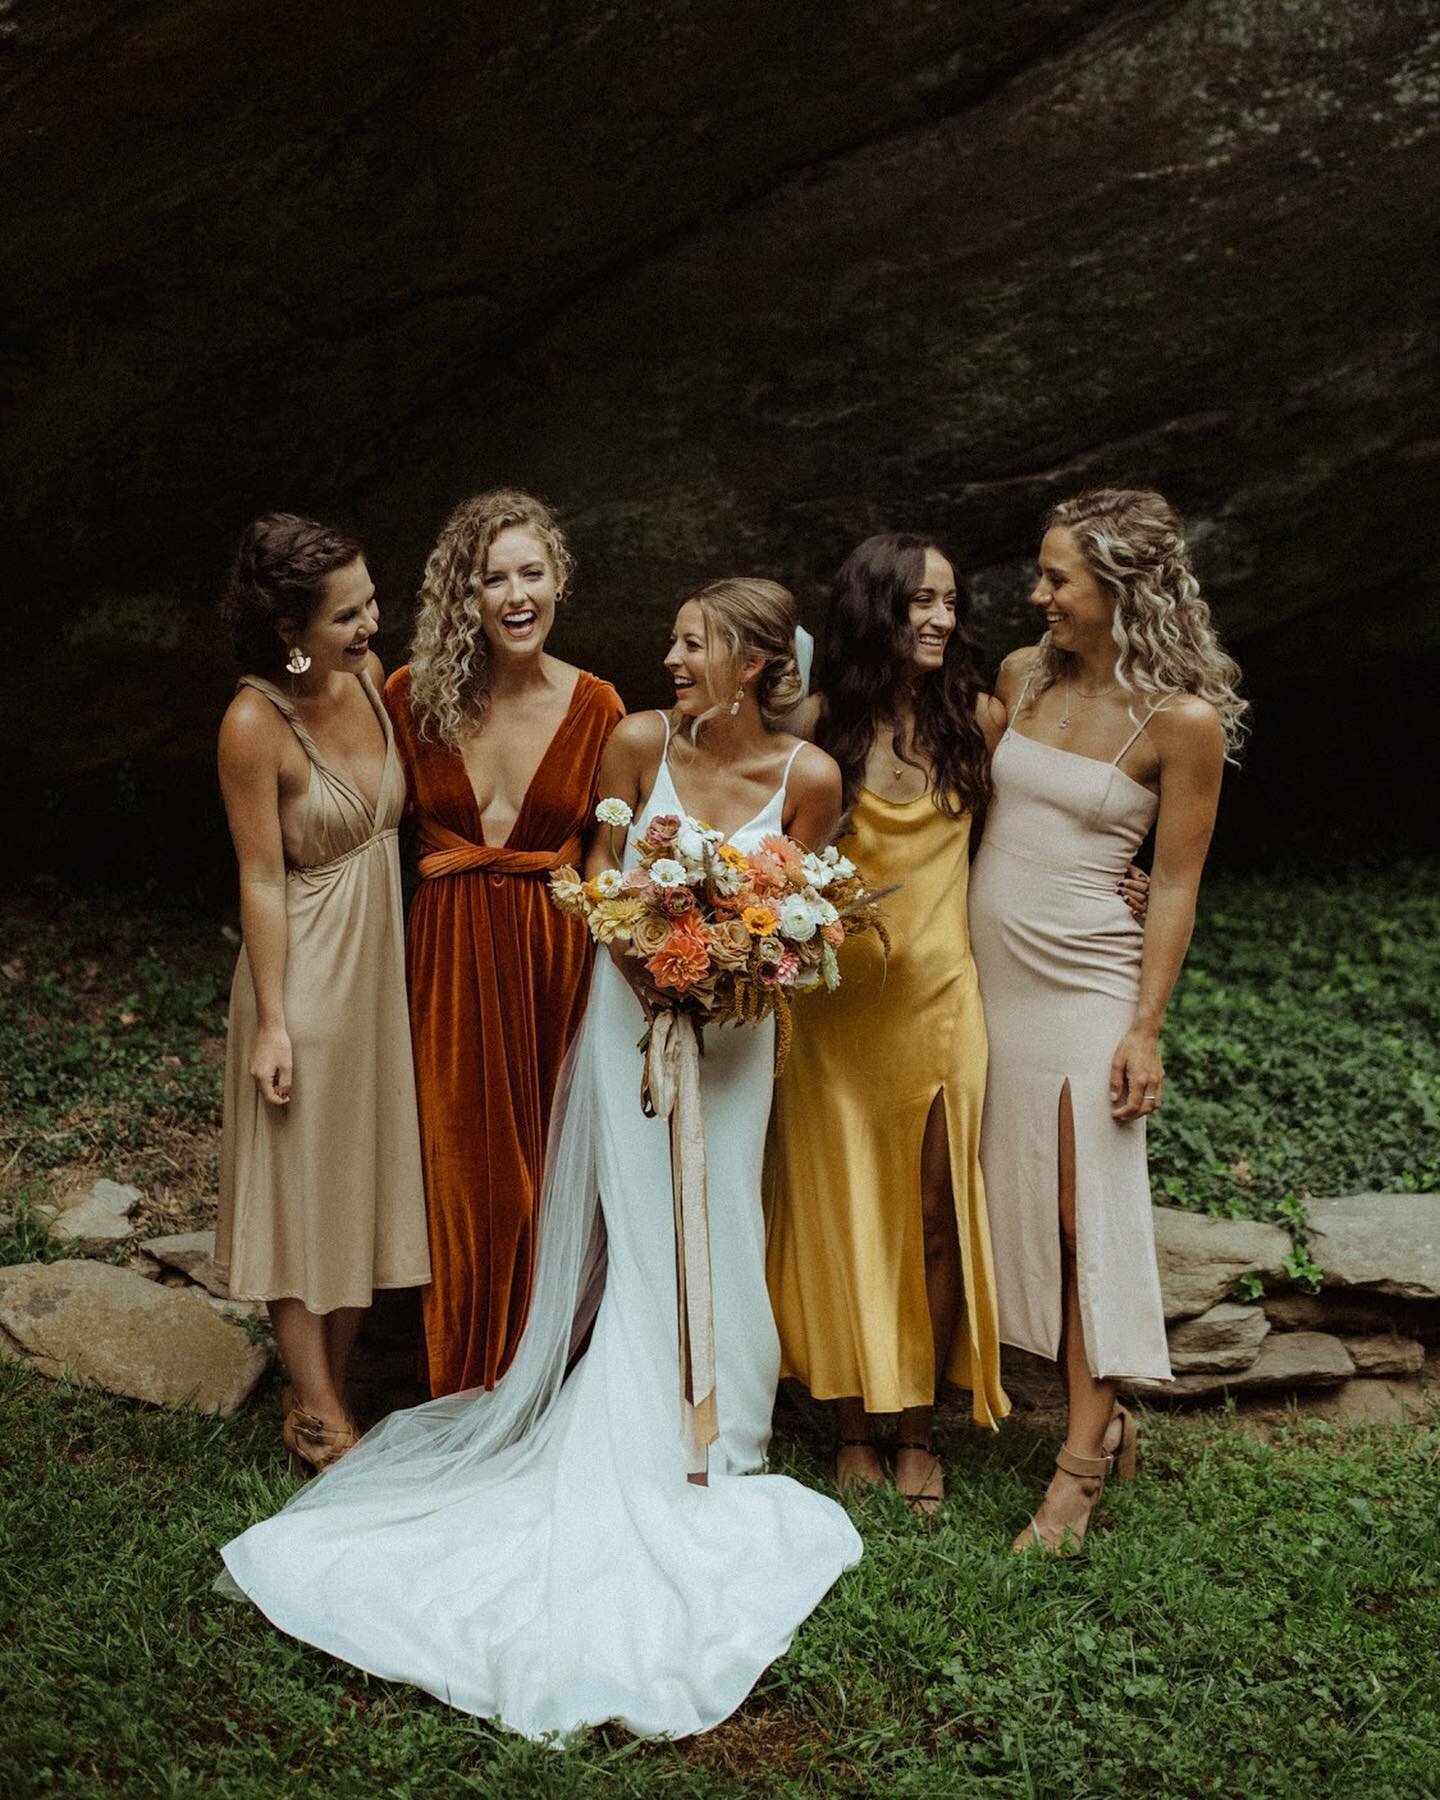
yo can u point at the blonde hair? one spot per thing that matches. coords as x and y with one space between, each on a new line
449 660
747 617
1134 543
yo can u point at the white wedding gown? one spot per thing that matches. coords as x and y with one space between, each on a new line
536 1555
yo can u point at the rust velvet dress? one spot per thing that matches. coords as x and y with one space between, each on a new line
498 980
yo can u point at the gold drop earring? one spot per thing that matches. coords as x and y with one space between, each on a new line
739 696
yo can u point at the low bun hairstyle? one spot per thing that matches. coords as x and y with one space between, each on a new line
279 579
746 617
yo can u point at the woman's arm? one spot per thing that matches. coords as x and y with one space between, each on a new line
250 777
991 716
628 765
813 798
627 768
1191 746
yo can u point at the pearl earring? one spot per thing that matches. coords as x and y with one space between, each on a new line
739 696
297 662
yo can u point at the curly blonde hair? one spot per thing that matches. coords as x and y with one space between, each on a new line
1134 543
746 616
449 660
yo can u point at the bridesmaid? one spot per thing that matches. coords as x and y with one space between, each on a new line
320 1187
1122 718
501 744
878 1253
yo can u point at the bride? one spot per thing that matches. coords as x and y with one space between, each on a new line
536 1555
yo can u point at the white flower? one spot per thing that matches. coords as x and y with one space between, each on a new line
690 845
829 969
665 872
608 883
841 867
725 880
817 871
797 919
825 913
614 812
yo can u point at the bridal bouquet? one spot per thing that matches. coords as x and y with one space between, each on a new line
731 934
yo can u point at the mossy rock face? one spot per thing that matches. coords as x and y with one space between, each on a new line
733 288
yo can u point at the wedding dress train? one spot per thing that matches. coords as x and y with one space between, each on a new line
536 1554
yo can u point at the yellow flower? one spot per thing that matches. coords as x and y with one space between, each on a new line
731 857
759 921
616 919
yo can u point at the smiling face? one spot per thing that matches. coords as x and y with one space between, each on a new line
518 593
1077 608
931 614
337 634
685 661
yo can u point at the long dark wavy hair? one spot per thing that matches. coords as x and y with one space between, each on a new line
867 679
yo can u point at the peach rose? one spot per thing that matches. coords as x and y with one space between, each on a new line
648 933
660 832
729 944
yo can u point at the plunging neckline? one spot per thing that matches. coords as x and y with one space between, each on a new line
480 837
290 711
1078 756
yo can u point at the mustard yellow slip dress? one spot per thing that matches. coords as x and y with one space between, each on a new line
844 1246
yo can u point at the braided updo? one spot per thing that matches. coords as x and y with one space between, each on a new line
279 579
1134 543
746 617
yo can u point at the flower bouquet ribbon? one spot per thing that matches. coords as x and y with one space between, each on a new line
724 936
670 1089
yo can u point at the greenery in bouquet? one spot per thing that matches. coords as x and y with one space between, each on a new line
729 933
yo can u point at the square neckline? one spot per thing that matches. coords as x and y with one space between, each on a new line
1079 756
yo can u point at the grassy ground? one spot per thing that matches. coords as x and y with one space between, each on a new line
1254 1617
1258 1616
1303 1045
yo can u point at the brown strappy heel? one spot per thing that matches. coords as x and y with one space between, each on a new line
314 1445
1071 1542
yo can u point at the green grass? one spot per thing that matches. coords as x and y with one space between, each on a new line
1303 1046
1253 1618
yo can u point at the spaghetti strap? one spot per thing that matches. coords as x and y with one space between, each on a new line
1116 760
1019 706
785 778
664 719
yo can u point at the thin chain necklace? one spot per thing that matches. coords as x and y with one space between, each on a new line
1098 694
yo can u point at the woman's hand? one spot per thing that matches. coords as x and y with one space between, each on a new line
270 1063
1137 1075
632 971
1134 890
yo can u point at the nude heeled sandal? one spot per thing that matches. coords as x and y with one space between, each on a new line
314 1445
1071 1542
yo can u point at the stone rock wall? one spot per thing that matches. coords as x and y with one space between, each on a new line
732 284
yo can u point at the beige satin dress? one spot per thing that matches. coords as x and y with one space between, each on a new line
322 1200
1058 955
